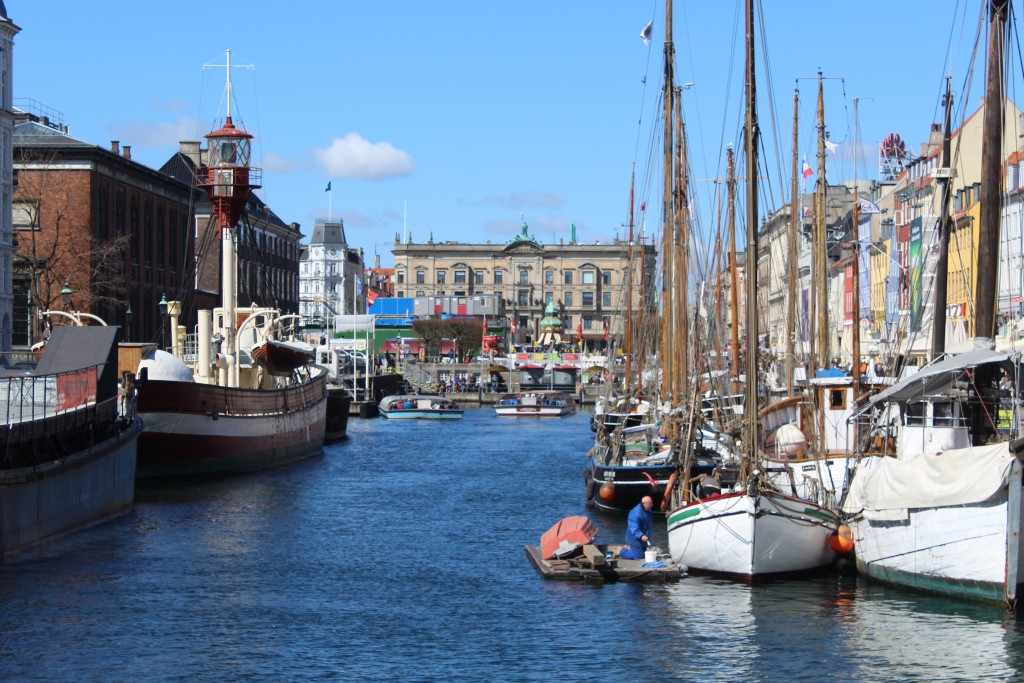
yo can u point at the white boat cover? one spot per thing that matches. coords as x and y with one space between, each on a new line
955 477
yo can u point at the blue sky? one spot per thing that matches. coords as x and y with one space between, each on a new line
452 118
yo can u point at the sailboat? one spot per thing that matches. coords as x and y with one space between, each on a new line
221 411
941 508
751 530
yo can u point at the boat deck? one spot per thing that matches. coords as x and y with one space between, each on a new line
592 566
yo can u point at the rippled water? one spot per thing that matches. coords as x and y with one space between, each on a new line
398 555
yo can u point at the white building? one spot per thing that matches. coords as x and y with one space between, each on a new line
7 33
330 275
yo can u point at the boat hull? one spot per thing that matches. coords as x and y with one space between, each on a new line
628 485
70 493
195 429
535 404
422 414
967 551
746 536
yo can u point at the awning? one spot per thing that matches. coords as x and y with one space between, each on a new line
937 376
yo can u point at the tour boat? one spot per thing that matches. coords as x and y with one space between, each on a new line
535 404
416 406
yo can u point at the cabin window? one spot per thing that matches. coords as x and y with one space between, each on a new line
942 414
837 399
915 414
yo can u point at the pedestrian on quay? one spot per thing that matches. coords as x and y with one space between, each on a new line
638 530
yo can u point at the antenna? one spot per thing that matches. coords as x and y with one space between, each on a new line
227 67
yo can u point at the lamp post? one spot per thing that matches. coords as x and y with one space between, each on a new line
163 317
128 324
65 294
30 309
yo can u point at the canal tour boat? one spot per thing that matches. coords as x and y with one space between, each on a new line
536 404
422 407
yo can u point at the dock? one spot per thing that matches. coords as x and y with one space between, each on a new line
593 566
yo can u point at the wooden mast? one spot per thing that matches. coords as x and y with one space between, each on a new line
821 250
750 142
991 171
682 274
627 335
794 252
942 259
734 293
667 213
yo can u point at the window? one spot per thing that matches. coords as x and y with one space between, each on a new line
588 298
478 277
588 324
524 298
499 276
606 299
568 299
549 297
460 277
524 276
837 399
441 275
606 277
401 277
549 277
942 414
568 277
588 277
421 277
26 215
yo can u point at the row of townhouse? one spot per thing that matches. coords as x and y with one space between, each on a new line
892 252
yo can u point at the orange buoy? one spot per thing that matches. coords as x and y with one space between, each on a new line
841 540
607 491
667 495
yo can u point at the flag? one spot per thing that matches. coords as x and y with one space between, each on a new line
867 206
605 321
807 172
512 322
359 285
328 189
579 330
831 147
371 297
807 212
646 33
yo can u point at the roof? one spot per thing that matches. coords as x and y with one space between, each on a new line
938 375
329 233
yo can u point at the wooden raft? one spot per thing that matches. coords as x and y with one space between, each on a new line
591 566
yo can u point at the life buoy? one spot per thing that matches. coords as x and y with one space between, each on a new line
591 486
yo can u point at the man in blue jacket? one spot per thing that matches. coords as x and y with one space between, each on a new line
638 530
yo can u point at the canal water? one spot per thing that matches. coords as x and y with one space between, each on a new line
398 555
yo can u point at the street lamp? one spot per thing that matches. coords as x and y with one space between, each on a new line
30 308
163 317
128 324
66 294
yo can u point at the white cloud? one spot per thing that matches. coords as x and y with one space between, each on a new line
275 163
354 157
141 134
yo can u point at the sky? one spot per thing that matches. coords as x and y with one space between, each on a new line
458 120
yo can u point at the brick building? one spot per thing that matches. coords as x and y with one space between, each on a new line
115 231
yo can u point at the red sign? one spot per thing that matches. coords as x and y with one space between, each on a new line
76 389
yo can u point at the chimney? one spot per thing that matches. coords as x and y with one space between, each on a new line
115 146
127 151
191 149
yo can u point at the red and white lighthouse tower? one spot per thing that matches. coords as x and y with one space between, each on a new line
228 179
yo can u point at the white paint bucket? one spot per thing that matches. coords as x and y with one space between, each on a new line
650 555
